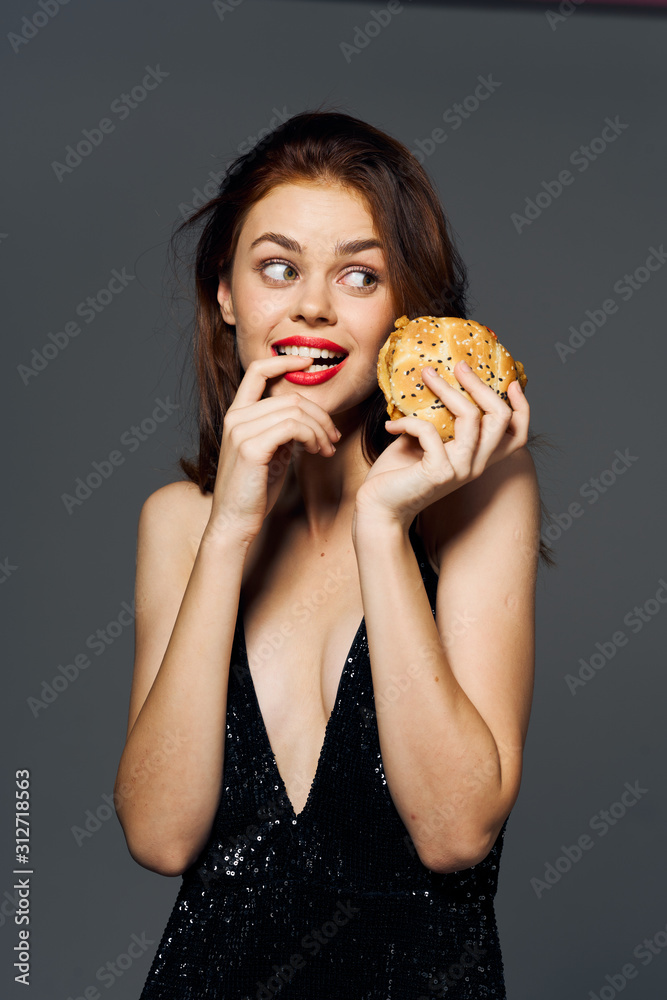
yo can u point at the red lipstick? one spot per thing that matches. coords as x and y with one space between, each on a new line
306 377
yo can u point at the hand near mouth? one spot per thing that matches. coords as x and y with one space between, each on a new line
257 441
327 358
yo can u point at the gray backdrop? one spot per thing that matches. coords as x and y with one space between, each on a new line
558 268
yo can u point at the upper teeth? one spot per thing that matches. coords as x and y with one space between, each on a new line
308 352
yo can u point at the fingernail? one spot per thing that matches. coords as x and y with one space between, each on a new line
465 366
430 370
518 385
339 434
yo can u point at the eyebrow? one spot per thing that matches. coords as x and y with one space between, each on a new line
343 248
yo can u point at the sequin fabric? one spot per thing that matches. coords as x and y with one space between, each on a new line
332 903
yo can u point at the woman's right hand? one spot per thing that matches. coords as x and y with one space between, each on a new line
257 442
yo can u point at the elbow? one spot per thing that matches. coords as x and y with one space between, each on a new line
443 864
469 843
443 859
154 849
164 859
163 866
169 863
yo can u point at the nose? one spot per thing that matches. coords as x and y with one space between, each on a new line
312 302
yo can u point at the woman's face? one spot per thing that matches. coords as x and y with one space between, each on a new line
288 280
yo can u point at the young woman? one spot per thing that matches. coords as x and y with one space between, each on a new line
335 613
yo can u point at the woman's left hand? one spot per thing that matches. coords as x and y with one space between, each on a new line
419 468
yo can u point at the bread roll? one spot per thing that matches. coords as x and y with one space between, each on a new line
440 341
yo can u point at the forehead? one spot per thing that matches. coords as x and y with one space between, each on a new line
310 211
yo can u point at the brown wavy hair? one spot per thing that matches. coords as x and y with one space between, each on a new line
425 271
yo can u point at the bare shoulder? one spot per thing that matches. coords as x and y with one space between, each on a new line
178 514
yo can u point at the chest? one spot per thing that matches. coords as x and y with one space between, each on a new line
301 611
298 631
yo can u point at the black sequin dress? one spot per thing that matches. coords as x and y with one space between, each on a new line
332 903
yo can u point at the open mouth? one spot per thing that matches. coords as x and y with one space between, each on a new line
325 359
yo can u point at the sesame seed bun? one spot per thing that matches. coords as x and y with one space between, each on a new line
440 341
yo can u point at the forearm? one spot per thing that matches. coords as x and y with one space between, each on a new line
439 756
169 777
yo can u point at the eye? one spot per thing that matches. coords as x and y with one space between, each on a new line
284 273
365 272
279 266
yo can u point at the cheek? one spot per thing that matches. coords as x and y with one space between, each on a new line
255 320
255 306
256 315
363 380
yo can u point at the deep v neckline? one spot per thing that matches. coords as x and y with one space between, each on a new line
297 816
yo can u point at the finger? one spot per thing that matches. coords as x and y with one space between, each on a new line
497 420
275 404
460 451
485 397
260 370
516 434
505 429
436 460
314 438
467 418
260 447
